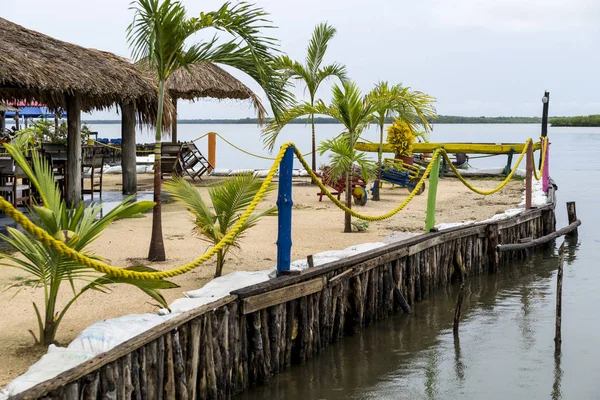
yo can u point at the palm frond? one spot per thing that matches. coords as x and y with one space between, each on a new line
317 47
330 71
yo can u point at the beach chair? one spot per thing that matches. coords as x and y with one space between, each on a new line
193 161
339 186
170 160
14 191
92 170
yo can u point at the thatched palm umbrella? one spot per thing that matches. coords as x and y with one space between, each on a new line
34 66
205 80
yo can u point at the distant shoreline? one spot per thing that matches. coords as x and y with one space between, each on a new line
442 119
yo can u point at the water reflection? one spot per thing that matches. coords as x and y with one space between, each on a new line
418 356
558 374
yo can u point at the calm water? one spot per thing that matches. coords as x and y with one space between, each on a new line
506 348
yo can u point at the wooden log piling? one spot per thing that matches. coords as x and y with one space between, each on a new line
221 348
559 281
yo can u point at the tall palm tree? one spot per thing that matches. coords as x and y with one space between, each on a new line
49 269
354 112
158 33
411 107
312 73
229 199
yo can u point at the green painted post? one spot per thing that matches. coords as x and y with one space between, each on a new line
432 194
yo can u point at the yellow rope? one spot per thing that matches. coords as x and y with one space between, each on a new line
499 187
48 241
369 217
251 154
200 137
537 175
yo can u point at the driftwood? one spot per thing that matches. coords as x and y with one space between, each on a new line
539 241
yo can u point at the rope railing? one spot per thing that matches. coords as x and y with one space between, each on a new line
49 241
538 175
499 187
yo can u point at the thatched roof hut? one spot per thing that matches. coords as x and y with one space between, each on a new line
6 107
38 67
34 66
207 80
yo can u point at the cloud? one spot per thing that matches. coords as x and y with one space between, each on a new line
517 15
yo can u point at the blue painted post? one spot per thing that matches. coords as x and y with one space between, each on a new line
284 212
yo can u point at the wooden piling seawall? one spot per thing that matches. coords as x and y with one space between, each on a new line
221 348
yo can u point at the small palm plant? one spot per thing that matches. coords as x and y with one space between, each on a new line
77 228
159 34
312 73
229 199
413 108
354 112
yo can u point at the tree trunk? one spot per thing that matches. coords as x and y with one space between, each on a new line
348 217
379 158
157 245
220 262
314 144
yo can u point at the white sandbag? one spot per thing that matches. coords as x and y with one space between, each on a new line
223 285
104 335
184 304
149 159
361 248
304 172
300 265
261 173
220 172
296 172
113 170
241 171
142 169
56 361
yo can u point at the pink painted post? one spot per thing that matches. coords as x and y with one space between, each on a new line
546 171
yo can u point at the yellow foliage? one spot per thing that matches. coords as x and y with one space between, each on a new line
401 137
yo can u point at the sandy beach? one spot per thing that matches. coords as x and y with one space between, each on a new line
317 226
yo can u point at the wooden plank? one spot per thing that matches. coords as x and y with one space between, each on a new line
283 295
119 351
451 148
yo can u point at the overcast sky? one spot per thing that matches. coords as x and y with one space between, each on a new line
477 57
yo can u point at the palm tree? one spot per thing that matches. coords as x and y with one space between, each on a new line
354 112
77 228
158 33
312 73
411 107
229 199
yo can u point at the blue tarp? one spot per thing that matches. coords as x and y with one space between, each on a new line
33 112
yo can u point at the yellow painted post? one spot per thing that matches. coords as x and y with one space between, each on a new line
432 194
212 150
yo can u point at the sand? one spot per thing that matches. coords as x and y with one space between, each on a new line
317 226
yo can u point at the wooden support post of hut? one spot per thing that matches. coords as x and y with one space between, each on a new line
73 196
528 175
572 214
128 155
